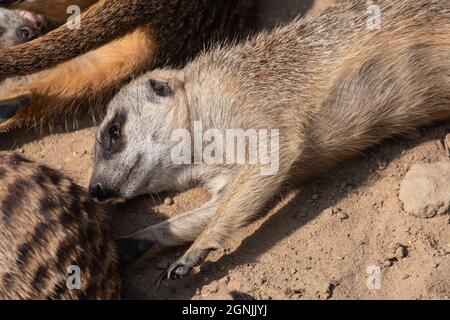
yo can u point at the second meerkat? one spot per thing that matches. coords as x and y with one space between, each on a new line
329 84
116 41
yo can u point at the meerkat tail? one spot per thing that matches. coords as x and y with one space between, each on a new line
93 76
108 20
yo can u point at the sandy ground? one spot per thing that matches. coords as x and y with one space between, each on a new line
316 243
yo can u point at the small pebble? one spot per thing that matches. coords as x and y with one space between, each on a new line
342 215
168 201
387 263
447 144
400 253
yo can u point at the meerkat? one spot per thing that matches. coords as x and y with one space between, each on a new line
145 34
47 225
327 86
56 9
20 26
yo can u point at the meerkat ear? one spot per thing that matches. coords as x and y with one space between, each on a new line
160 88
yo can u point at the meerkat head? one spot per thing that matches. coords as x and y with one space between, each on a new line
133 144
20 26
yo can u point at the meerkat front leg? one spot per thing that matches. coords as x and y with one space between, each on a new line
248 194
176 231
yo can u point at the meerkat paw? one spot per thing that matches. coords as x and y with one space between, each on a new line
9 107
130 250
183 266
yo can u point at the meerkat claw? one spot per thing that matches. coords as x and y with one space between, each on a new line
183 266
171 273
9 107
178 270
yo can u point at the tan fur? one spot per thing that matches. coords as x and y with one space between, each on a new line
158 42
47 223
329 84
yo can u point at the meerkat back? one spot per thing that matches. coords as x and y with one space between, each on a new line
53 239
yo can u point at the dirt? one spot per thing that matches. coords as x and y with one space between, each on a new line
323 240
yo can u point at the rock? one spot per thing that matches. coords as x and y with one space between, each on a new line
168 201
401 252
447 144
315 196
262 280
388 263
425 190
342 215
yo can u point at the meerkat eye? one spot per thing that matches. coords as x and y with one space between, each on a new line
114 133
161 89
26 34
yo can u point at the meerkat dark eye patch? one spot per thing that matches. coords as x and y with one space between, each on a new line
160 88
112 138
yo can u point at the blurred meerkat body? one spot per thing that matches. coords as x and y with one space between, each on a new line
47 224
111 49
329 84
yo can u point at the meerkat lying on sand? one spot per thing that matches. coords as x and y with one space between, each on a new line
328 87
48 224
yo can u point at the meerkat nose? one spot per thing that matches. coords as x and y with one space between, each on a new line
99 192
96 191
